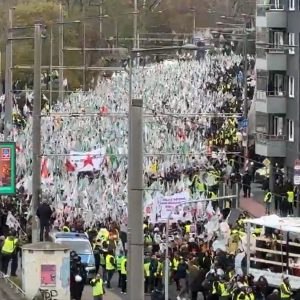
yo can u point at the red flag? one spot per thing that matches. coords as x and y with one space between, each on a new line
69 166
44 168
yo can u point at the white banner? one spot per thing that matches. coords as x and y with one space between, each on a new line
87 161
171 206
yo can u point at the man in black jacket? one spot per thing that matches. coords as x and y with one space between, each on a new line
44 213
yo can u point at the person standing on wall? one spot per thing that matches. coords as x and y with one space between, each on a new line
44 213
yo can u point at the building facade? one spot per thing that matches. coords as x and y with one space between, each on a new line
277 68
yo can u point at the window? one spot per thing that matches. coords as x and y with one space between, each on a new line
276 5
277 126
278 39
291 87
292 43
278 84
291 4
291 130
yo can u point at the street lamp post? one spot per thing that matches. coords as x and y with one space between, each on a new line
167 237
8 119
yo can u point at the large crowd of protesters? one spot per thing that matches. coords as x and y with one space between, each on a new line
192 109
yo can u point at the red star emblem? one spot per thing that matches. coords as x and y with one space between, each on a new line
88 161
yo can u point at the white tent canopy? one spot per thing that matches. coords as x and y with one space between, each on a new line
273 221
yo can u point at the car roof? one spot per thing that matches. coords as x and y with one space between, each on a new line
70 235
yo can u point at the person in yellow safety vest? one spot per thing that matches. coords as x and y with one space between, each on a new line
268 201
147 263
8 250
214 288
98 287
103 234
257 231
103 254
285 289
159 273
123 275
197 185
174 266
223 290
119 260
187 227
66 229
110 266
241 295
250 294
148 238
214 201
290 199
236 235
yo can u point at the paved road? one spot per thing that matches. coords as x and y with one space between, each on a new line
115 292
6 293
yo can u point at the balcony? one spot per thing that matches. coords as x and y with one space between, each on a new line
276 60
276 18
270 102
270 145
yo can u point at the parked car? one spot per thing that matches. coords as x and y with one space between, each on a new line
80 243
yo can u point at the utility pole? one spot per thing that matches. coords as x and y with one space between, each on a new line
135 196
135 25
8 78
51 69
245 95
36 130
101 18
61 52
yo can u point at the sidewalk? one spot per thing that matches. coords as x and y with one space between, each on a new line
8 293
252 206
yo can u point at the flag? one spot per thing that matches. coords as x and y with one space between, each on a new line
44 168
11 221
69 166
210 211
87 161
112 157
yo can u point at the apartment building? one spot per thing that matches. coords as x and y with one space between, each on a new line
277 98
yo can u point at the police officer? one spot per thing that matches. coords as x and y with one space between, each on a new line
98 287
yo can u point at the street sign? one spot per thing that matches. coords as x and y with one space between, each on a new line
7 168
297 172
